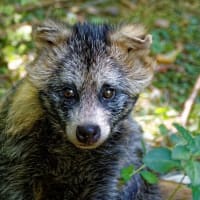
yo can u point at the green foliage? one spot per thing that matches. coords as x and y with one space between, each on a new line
163 130
160 160
127 173
192 169
180 152
195 192
149 177
177 81
184 155
185 134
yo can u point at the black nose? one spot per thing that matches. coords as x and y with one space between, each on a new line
88 134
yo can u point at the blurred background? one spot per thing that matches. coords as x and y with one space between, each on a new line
175 26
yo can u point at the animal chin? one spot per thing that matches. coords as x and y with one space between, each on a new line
86 146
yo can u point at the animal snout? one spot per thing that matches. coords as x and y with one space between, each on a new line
88 134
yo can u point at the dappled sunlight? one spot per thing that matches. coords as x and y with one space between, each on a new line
168 110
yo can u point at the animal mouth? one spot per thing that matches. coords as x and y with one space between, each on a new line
86 146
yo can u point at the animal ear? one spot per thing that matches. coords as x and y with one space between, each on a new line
130 46
131 37
50 33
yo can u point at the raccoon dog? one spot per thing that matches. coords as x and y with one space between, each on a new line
66 129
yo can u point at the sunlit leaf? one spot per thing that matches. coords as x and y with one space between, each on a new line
193 171
149 177
181 152
127 172
160 160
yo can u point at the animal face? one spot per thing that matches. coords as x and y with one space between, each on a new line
89 78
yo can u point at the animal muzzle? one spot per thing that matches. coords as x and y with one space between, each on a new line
88 134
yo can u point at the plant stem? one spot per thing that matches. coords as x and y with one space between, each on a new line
138 170
176 189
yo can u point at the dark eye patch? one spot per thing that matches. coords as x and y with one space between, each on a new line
65 93
107 93
69 94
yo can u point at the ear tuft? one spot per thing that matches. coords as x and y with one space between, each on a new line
50 33
132 37
130 46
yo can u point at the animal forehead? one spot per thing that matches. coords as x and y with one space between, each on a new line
87 61
90 33
88 40
103 71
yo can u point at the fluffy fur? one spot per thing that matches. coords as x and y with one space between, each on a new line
41 157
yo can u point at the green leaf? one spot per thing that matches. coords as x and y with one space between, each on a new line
180 152
195 149
177 139
7 9
163 130
149 177
161 110
192 169
195 192
127 172
160 160
185 134
143 146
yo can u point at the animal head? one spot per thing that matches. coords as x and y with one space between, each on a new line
89 76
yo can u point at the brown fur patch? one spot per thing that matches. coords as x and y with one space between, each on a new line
25 109
50 33
132 37
38 191
47 187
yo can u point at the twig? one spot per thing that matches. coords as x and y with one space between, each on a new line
138 170
165 68
129 4
190 101
176 189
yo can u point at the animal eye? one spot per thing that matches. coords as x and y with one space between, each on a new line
69 93
108 93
